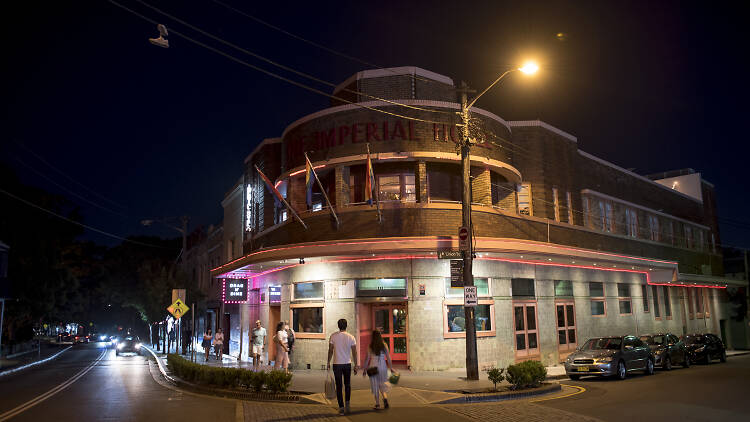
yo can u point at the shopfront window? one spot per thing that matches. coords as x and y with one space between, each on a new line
522 287
381 287
598 303
483 288
307 291
457 319
563 288
307 321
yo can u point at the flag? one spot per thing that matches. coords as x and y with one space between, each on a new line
271 188
309 179
370 181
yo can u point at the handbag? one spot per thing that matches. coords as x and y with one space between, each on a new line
330 386
371 372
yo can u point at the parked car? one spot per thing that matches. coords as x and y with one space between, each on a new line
668 349
129 344
705 347
610 356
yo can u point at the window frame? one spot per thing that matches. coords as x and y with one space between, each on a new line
447 288
655 294
556 203
689 299
706 302
524 188
628 298
554 287
602 299
311 299
401 183
298 334
644 302
462 334
631 222
563 351
699 305
569 200
667 302
653 224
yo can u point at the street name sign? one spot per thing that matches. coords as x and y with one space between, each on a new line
450 255
457 273
470 295
463 238
178 309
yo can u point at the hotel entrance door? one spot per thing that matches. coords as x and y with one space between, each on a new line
390 320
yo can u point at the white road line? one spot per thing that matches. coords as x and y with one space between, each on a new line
29 365
42 397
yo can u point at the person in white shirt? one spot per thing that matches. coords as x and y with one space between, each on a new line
343 349
258 343
282 347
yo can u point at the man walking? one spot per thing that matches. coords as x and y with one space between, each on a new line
343 348
258 341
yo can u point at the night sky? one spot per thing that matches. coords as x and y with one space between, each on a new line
148 132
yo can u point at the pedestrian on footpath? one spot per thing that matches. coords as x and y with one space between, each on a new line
219 344
207 337
282 347
378 363
342 347
258 341
171 340
289 337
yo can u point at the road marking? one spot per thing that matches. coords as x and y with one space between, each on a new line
42 397
239 412
580 390
29 365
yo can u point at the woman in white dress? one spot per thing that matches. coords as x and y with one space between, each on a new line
282 347
377 365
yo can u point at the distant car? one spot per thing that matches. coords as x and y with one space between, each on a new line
610 356
80 338
129 344
705 347
102 337
668 349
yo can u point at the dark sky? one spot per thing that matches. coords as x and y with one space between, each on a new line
163 132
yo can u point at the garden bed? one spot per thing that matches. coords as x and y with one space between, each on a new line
502 393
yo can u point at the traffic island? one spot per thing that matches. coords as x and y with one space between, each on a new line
503 393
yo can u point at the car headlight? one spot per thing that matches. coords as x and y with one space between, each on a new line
138 345
121 345
102 338
658 351
608 359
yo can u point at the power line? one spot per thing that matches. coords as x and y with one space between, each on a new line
274 75
313 43
31 204
281 66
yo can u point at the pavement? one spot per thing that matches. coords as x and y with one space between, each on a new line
46 350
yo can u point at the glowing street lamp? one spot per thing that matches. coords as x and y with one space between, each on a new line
529 68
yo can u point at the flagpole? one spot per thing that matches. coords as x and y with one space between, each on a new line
320 185
286 204
372 186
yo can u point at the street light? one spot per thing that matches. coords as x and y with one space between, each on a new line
183 230
472 365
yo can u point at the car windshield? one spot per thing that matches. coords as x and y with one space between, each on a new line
653 340
603 344
695 340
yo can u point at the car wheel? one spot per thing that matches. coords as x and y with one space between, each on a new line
667 366
686 361
723 357
574 377
621 370
650 367
707 359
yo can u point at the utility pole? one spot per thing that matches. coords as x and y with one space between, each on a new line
472 364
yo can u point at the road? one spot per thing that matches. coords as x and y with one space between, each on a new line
715 392
90 383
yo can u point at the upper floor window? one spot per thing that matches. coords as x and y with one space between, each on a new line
653 224
556 203
524 199
569 201
631 222
689 237
606 215
598 303
397 187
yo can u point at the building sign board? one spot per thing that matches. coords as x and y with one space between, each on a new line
463 238
457 273
470 296
274 294
450 255
235 290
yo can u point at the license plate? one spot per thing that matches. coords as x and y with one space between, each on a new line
582 369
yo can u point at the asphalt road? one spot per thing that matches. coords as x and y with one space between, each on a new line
715 392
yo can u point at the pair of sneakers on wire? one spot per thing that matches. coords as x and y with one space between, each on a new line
162 40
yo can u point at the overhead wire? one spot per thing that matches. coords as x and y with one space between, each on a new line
281 66
271 74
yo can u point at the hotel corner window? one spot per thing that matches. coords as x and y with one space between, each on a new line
606 216
671 232
522 287
644 292
308 319
631 221
653 224
667 303
655 294
563 288
307 291
483 288
623 296
456 318
556 203
524 199
688 237
397 187
569 202
598 303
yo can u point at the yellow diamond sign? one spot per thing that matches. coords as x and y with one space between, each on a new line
178 309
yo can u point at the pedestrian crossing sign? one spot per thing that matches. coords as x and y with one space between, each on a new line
178 309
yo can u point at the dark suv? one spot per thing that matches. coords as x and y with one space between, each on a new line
705 347
667 349
606 356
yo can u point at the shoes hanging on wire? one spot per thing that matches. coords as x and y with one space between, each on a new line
162 40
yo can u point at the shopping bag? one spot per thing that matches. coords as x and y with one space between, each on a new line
393 379
330 386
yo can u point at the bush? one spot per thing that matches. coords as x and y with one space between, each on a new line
495 375
526 374
278 381
257 380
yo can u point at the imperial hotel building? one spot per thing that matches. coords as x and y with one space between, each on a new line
569 246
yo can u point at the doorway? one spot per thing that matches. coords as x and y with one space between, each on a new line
274 316
566 328
391 321
226 329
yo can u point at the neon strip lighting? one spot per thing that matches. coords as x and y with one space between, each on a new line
510 260
224 293
277 184
391 158
418 239
303 170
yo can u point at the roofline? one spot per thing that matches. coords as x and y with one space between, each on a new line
267 141
539 123
394 71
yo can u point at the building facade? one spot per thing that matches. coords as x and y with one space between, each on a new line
569 246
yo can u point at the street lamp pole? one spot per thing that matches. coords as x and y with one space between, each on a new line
472 362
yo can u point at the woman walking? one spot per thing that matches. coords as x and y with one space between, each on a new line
219 344
282 347
378 363
207 337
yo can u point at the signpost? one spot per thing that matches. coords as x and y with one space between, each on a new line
463 238
470 296
457 273
450 255
178 309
